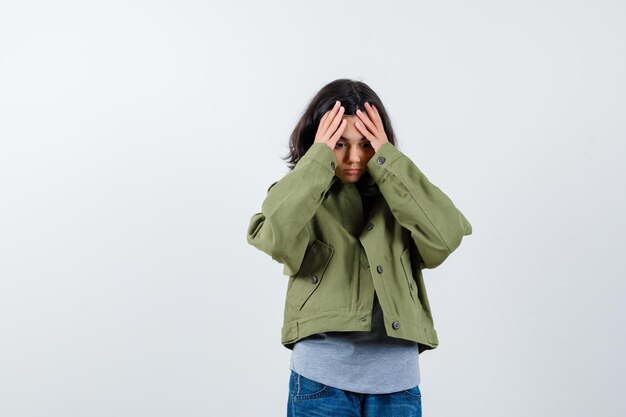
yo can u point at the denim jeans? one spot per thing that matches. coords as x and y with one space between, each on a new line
308 398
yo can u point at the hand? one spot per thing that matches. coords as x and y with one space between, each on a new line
327 131
372 127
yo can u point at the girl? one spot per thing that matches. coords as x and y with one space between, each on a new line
354 222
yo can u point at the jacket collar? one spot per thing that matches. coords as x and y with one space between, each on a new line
366 184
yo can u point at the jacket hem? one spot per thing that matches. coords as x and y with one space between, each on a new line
295 330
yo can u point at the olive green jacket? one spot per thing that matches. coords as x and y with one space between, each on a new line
312 223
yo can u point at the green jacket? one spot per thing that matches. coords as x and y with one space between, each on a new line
313 224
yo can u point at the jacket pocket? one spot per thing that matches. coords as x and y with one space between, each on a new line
304 283
405 259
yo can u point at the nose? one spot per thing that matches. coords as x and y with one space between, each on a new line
354 154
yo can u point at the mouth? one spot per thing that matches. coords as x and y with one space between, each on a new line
352 171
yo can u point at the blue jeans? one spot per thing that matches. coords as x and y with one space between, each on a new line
308 398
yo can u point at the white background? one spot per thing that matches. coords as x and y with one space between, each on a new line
137 138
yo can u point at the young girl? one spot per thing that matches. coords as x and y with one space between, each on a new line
354 222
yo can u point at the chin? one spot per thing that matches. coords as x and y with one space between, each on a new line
350 180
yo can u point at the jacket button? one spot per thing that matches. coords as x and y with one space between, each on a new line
396 324
379 269
380 160
332 165
313 279
369 226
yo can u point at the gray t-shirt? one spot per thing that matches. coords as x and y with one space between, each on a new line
363 362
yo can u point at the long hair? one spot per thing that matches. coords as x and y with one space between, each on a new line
352 94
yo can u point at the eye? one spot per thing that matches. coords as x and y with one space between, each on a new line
366 144
339 145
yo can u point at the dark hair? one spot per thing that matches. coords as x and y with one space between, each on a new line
352 94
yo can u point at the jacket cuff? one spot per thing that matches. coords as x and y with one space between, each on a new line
384 156
322 154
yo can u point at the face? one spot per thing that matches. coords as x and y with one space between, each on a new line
352 150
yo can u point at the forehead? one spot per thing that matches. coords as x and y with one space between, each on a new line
351 133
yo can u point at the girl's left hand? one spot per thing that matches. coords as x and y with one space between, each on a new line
373 129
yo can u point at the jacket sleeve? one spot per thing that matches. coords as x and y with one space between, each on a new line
436 225
280 229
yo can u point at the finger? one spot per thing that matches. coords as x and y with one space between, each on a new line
335 123
372 111
371 106
320 135
366 121
331 114
368 135
335 137
324 117
320 126
374 115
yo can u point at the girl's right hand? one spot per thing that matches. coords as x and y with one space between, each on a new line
327 131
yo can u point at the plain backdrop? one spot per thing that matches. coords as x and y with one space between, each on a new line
137 138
